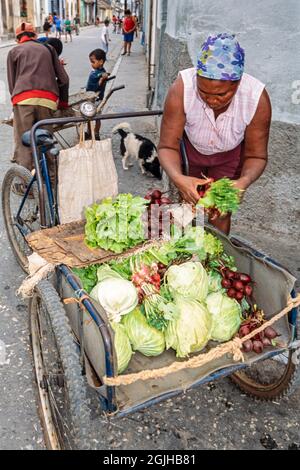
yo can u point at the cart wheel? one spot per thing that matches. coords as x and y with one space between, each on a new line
273 378
29 216
62 390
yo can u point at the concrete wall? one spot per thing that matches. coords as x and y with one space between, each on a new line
269 32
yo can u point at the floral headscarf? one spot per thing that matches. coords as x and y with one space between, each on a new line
221 58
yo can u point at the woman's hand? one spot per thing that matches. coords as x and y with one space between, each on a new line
242 184
188 185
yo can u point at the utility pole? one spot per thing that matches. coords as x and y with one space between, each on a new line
125 5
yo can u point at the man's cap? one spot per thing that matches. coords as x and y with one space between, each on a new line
25 28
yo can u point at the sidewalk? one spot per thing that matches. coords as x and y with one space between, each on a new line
131 71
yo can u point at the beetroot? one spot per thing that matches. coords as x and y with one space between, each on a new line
231 292
156 194
226 283
245 278
238 285
229 274
239 295
270 332
244 330
248 290
266 342
248 345
258 346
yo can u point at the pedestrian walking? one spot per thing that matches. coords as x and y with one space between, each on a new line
114 21
47 27
58 27
68 29
34 75
129 28
77 24
223 116
119 23
104 37
97 83
97 22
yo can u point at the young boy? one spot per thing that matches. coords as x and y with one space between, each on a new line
104 37
97 82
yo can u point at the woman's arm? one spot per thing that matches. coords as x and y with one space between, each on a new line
171 133
256 143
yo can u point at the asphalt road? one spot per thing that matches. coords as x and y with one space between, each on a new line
214 416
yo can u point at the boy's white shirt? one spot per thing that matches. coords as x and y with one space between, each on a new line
105 32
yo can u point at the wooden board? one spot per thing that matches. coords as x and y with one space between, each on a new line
64 244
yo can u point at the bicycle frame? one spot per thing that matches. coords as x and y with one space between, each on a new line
75 120
53 213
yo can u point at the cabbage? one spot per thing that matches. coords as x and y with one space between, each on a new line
214 281
190 332
226 315
122 346
188 279
143 337
117 297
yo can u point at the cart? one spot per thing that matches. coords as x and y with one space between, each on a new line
73 343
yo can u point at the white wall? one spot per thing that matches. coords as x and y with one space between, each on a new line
269 32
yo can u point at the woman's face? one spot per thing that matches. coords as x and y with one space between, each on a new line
217 94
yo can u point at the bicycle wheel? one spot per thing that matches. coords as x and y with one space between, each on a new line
62 390
29 217
272 378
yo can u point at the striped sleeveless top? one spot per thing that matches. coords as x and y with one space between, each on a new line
209 135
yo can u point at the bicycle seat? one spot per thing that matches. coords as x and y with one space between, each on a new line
42 137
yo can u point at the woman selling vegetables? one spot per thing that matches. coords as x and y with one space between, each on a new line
223 116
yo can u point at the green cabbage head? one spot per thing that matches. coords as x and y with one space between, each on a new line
188 280
191 331
226 316
122 346
143 337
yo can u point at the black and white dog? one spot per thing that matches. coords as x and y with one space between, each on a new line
138 147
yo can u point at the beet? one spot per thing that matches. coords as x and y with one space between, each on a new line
248 290
244 330
231 292
266 342
248 345
226 283
156 194
270 332
245 278
238 285
229 274
239 295
258 346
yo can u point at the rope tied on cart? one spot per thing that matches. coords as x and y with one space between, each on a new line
232 347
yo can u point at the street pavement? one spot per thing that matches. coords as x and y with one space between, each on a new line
214 416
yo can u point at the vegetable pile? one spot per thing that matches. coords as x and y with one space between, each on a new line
180 294
116 224
219 197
